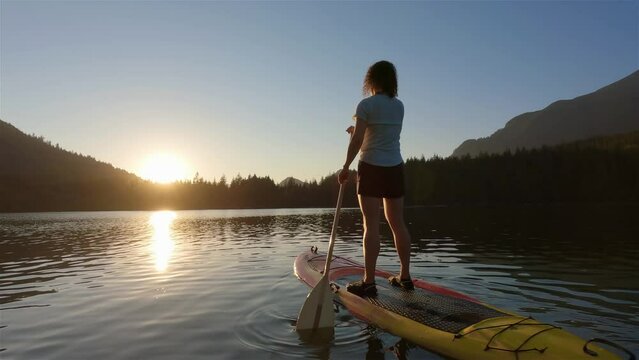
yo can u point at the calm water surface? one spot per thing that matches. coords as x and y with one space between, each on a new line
220 284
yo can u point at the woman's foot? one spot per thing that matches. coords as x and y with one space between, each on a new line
406 284
362 289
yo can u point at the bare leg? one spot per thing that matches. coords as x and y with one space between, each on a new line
394 211
370 214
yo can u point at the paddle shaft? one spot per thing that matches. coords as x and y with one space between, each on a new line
323 286
331 244
316 312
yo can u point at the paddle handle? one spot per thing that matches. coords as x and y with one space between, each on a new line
329 254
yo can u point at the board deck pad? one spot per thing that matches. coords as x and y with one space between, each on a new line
442 312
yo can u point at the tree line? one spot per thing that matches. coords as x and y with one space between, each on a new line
37 176
604 169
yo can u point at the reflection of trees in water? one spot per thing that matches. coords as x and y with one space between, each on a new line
524 230
266 228
561 255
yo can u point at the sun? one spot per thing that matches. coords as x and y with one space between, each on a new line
163 168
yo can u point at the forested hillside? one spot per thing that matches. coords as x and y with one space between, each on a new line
603 169
38 176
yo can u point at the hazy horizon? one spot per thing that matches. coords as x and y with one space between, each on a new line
268 88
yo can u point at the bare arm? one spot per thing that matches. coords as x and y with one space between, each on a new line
357 138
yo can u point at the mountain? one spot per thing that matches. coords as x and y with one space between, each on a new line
36 175
25 155
291 181
613 109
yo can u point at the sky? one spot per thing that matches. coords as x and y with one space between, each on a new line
268 88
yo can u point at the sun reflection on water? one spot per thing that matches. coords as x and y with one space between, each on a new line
162 244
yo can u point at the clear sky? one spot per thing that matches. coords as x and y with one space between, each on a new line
268 88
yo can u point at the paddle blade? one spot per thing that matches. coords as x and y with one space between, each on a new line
317 337
317 311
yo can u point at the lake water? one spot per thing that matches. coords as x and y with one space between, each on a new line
220 283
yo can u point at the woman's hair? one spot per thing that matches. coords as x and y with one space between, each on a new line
382 77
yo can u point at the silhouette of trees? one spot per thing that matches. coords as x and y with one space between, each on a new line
595 170
38 176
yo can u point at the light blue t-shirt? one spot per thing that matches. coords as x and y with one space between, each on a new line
383 116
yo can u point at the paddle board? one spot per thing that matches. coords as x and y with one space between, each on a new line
445 321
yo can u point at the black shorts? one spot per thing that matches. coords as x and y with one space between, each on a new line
380 181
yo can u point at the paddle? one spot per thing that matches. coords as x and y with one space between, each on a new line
317 311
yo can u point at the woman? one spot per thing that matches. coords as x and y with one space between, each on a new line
380 172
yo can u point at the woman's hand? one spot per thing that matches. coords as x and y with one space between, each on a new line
342 177
357 136
350 130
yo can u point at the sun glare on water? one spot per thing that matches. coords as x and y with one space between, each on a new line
162 244
163 168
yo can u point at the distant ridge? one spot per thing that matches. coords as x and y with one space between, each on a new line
291 181
613 109
34 174
23 155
